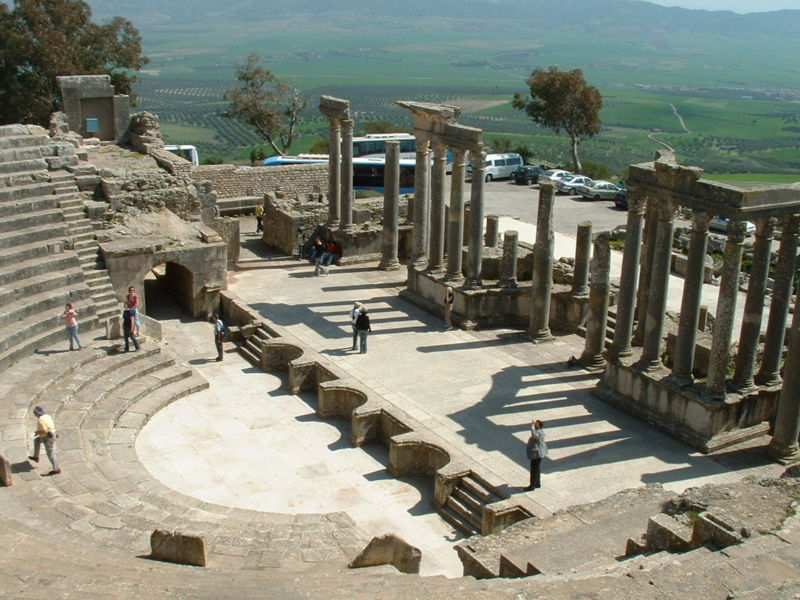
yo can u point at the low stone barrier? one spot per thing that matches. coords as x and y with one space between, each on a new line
389 549
178 548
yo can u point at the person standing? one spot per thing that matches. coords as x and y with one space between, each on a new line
259 217
449 298
219 334
45 434
71 321
132 304
128 326
536 450
362 324
354 312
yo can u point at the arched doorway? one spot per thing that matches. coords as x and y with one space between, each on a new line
168 291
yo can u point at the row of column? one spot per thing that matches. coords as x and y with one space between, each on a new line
340 178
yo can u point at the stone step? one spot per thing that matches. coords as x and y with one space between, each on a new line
18 254
95 274
249 354
22 166
28 205
24 291
33 267
457 520
23 153
23 179
23 140
50 300
466 512
38 233
82 231
18 222
473 484
87 183
470 501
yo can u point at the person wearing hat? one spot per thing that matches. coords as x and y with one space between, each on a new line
354 312
45 434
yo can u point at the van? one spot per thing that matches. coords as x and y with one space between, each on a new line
500 166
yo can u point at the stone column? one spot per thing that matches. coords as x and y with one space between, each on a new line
475 245
438 181
629 278
659 284
769 374
787 420
726 310
583 246
391 208
596 323
508 263
334 174
683 361
346 223
492 237
645 268
749 333
455 232
542 284
421 204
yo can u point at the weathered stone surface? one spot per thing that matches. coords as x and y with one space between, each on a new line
178 548
665 533
5 471
389 549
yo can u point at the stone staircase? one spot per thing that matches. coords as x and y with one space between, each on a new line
464 507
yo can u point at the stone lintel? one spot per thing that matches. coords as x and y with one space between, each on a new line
464 137
334 108
430 117
140 245
684 185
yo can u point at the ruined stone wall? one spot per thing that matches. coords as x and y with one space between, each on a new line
232 182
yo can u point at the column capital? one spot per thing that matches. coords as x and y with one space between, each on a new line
666 210
334 122
791 225
736 231
347 125
700 221
439 148
636 201
765 228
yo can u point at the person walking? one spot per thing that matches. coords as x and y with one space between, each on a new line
219 335
362 324
259 217
354 312
449 298
128 327
536 450
45 434
71 321
132 304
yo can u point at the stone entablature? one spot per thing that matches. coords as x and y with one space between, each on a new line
230 181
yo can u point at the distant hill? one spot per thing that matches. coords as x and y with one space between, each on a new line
628 18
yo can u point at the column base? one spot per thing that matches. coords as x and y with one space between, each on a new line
592 362
679 380
453 279
436 269
389 265
783 454
474 284
615 353
541 335
769 381
509 284
743 387
649 365
581 293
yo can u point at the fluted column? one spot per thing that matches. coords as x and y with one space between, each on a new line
391 208
542 284
769 373
508 263
629 278
334 173
596 324
726 310
787 420
455 231
645 268
421 203
659 284
743 379
475 245
583 253
346 223
683 362
438 181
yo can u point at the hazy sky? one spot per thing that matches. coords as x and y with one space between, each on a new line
740 6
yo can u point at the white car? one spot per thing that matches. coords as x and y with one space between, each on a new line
598 190
567 185
721 224
553 175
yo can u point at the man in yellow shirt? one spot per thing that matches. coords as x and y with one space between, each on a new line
45 434
259 217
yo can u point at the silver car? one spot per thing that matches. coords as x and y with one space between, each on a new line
567 185
599 190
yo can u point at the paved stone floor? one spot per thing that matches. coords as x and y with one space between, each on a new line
247 443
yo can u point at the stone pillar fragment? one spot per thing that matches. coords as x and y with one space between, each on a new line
726 310
769 373
583 252
421 204
683 361
492 237
475 245
659 284
784 445
629 278
596 323
391 208
455 231
750 331
542 284
346 223
437 231
508 263
334 174
645 268
5 471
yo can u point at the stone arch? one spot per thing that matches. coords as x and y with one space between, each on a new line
171 279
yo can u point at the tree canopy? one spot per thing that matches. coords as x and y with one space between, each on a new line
266 103
43 39
563 100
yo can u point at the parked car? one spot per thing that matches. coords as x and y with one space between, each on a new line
527 174
621 200
553 174
720 223
567 185
599 190
498 166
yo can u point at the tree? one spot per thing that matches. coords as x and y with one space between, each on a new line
563 100
42 39
266 103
